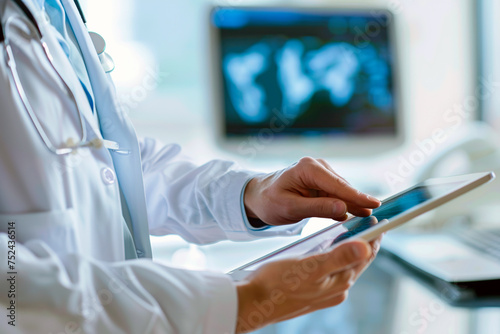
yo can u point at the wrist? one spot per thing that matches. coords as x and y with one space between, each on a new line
248 296
249 199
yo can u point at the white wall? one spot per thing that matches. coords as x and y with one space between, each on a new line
435 44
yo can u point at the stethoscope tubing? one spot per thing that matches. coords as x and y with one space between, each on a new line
11 63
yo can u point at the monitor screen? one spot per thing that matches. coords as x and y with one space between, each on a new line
306 72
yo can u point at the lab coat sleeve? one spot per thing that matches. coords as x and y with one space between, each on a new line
200 203
51 293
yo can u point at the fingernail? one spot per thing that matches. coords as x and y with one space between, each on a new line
373 199
340 208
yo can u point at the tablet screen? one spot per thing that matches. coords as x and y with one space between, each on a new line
390 208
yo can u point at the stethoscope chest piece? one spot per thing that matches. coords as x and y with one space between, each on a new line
105 59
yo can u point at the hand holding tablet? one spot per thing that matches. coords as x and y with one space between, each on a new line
394 211
281 290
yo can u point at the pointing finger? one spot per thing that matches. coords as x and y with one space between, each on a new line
316 176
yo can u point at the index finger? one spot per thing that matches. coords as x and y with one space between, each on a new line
316 176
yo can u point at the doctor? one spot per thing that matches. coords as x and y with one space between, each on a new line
80 195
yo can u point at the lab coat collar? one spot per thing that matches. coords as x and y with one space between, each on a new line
115 126
64 67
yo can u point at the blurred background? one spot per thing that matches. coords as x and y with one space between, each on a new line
448 84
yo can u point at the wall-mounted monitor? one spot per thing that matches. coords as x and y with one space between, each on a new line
305 81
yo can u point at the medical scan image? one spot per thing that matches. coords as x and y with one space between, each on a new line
312 74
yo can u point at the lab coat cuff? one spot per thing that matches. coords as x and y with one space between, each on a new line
249 226
236 224
223 311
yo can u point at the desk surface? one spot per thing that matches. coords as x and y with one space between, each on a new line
453 294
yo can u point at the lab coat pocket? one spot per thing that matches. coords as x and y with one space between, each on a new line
57 229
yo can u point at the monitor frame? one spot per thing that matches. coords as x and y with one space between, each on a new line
267 143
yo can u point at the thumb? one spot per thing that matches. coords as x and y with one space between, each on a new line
322 207
343 256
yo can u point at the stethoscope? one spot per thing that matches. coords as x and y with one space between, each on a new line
106 61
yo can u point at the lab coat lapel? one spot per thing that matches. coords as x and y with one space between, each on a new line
115 126
64 67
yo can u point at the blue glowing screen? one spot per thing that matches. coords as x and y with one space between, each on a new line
306 73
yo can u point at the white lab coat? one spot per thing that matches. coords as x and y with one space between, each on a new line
71 274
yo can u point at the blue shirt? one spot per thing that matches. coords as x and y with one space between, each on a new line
57 17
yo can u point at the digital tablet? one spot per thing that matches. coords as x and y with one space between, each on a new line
394 211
